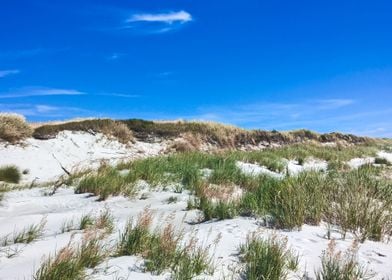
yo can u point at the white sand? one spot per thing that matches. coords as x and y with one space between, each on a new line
386 155
44 158
310 164
358 162
293 168
255 169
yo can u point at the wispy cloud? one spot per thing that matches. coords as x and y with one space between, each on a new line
4 73
170 17
334 103
157 22
38 91
43 110
274 115
123 95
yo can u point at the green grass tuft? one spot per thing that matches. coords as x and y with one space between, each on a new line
10 174
267 259
163 249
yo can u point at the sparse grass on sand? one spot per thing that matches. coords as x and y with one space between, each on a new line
163 249
103 222
10 174
358 201
26 235
70 262
267 259
14 128
336 265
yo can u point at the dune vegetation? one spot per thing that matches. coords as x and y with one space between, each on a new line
357 201
14 128
196 133
10 174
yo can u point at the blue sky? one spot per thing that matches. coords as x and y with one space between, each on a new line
325 66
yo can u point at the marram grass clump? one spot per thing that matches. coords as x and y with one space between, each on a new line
14 128
163 250
10 174
70 262
267 258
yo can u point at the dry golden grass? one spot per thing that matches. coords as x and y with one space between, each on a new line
14 128
110 128
119 131
192 135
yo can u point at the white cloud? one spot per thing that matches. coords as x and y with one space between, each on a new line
5 73
124 95
46 108
334 103
38 91
43 110
170 17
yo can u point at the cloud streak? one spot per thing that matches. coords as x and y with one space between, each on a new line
43 110
123 95
169 18
5 73
38 91
155 23
276 115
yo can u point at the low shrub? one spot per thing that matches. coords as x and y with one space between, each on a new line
14 128
10 174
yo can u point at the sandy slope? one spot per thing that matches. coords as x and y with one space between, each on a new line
44 158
